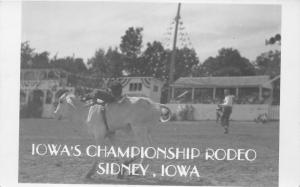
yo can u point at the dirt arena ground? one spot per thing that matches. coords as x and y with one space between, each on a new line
264 138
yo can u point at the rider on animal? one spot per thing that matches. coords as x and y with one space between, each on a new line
113 94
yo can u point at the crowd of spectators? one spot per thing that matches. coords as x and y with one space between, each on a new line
244 98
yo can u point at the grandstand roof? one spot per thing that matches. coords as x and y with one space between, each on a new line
241 81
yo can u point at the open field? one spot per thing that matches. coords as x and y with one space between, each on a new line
264 138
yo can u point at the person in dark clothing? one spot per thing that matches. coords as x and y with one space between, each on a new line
107 96
116 90
219 112
104 95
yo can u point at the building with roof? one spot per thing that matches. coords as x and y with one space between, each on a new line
247 89
40 88
142 87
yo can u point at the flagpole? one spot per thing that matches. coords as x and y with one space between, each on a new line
173 57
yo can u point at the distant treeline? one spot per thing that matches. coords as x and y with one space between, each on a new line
128 59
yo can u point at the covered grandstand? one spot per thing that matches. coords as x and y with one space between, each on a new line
208 90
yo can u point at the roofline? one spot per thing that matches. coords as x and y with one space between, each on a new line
191 85
61 69
133 77
223 77
50 68
214 86
275 78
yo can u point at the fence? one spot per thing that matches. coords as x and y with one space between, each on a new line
273 113
240 112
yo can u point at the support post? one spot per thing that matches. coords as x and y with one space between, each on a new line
237 92
214 93
172 92
44 97
27 96
271 95
193 94
173 55
260 93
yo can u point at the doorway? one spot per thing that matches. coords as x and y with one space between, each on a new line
35 104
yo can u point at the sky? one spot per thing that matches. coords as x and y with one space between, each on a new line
80 28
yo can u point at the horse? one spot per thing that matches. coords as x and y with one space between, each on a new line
138 114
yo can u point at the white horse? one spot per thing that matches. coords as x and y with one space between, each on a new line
138 114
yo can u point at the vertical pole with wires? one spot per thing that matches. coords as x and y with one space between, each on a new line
173 56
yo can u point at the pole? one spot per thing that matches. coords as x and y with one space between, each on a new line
173 57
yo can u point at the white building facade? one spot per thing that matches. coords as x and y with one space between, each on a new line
142 87
40 89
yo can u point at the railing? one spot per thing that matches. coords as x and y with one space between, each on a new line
274 112
241 112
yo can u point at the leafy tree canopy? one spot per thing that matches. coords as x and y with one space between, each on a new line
228 62
154 60
268 63
27 54
274 39
131 44
186 59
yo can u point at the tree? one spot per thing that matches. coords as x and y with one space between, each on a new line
228 62
98 64
131 44
70 64
106 64
186 59
114 61
32 59
74 66
41 60
78 65
273 40
27 54
268 63
153 61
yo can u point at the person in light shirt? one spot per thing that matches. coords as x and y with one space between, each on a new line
227 109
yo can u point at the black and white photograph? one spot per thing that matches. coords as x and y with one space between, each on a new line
150 93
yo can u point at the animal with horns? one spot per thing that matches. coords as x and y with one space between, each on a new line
138 114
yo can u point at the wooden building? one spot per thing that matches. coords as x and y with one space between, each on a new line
247 89
40 89
142 87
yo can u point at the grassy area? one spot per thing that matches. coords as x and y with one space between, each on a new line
263 138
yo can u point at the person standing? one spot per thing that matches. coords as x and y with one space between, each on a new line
227 109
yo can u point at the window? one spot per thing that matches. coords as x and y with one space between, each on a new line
139 86
155 88
135 86
130 86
